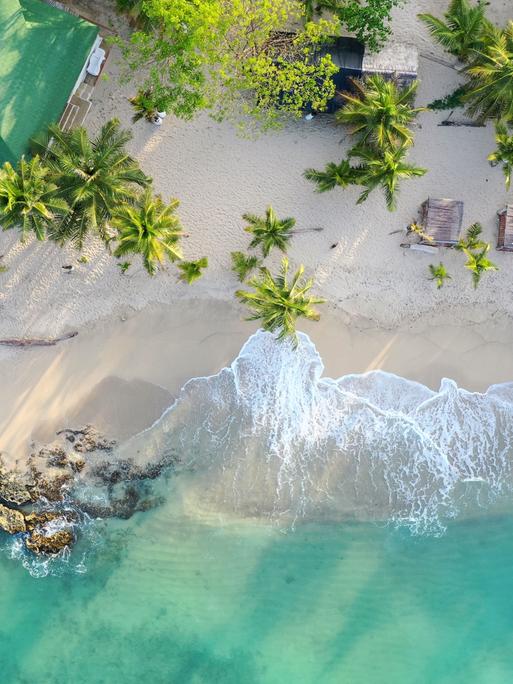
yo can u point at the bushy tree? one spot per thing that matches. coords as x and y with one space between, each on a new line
369 20
235 58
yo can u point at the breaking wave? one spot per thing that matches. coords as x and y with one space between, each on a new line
270 437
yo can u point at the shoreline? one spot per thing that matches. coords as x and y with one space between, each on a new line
120 375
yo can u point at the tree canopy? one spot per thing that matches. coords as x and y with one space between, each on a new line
235 58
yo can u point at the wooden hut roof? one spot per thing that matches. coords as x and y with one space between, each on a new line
394 58
441 221
505 240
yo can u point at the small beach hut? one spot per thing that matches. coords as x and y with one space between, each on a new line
505 238
396 60
441 221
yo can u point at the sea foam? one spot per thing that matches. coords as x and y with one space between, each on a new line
270 437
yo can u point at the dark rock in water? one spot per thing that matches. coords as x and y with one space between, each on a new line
51 487
14 486
112 472
88 439
11 521
49 544
34 520
77 465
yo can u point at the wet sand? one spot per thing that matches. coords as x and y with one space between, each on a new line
121 374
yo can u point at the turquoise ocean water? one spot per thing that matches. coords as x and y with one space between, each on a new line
167 600
252 571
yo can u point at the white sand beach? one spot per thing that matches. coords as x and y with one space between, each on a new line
382 310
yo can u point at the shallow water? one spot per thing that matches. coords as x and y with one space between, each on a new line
250 572
175 600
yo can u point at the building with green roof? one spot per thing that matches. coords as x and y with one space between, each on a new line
43 53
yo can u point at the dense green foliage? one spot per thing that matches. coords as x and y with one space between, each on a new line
504 152
234 58
270 231
490 88
450 101
384 168
279 301
29 199
488 52
150 228
461 30
81 186
368 20
379 115
380 112
93 176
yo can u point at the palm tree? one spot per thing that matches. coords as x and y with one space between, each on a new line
243 264
150 228
472 239
342 175
439 274
490 89
384 168
270 231
279 302
478 263
94 176
192 270
380 112
28 198
462 31
504 152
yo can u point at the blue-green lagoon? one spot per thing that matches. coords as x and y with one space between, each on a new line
307 530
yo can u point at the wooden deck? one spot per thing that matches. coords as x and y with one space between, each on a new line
441 221
505 238
80 102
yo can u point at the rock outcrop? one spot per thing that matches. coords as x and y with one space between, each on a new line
49 544
11 520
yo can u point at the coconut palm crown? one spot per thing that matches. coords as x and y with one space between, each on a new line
380 112
341 175
478 263
504 152
462 31
490 89
384 168
93 176
148 227
28 198
279 301
270 231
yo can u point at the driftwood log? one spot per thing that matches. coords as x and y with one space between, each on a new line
37 342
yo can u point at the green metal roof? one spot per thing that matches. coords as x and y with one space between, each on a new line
42 52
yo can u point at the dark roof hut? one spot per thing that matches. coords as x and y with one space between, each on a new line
505 239
441 221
